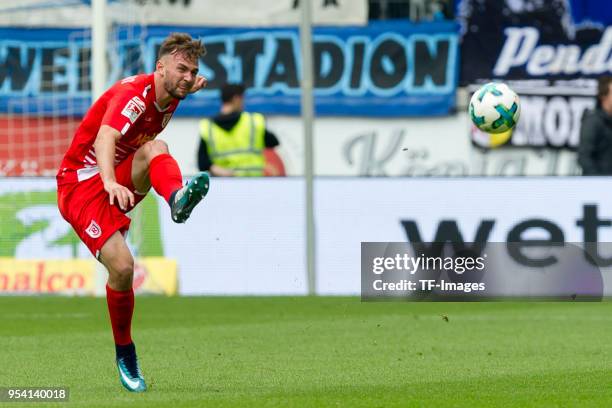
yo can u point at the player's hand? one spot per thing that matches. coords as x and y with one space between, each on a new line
200 83
120 193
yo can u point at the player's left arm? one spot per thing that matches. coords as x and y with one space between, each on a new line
200 83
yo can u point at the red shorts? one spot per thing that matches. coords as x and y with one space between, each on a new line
85 205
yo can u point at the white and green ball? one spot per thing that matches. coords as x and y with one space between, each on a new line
495 108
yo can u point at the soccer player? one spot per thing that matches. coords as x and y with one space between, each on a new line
112 163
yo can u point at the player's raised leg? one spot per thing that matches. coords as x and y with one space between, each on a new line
116 257
154 166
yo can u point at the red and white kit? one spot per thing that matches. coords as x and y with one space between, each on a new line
129 107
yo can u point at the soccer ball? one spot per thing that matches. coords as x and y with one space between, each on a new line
495 108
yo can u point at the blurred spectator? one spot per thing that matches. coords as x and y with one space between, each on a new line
437 10
595 149
233 142
415 10
388 9
442 10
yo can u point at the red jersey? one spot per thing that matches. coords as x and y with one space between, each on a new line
129 106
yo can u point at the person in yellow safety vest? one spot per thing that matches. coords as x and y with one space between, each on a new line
232 143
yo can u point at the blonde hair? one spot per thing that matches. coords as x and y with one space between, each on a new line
182 43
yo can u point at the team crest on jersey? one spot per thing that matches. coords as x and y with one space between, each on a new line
133 109
166 119
94 230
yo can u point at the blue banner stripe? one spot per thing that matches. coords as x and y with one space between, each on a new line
384 69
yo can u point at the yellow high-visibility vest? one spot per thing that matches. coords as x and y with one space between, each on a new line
241 148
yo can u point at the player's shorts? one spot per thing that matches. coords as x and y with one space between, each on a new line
85 205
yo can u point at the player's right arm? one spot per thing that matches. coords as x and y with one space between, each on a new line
104 147
123 110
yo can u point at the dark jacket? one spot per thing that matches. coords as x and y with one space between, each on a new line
595 149
227 121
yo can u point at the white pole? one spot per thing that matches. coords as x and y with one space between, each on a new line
99 39
307 104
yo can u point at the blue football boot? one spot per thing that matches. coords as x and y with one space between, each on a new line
184 200
129 373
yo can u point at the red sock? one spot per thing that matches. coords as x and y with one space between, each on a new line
165 175
121 308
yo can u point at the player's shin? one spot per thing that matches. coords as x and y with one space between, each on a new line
165 175
121 309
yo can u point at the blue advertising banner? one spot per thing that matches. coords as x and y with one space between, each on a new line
556 40
549 52
591 11
384 69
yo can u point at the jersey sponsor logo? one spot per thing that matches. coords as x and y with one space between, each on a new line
133 109
139 102
128 79
166 119
94 230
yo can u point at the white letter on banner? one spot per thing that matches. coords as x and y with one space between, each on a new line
518 47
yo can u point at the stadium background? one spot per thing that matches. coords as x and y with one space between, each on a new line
392 79
391 85
393 146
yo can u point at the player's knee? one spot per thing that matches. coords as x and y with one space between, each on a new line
155 148
123 269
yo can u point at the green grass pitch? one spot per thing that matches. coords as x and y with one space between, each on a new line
314 352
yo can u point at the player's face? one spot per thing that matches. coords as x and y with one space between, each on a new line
179 74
